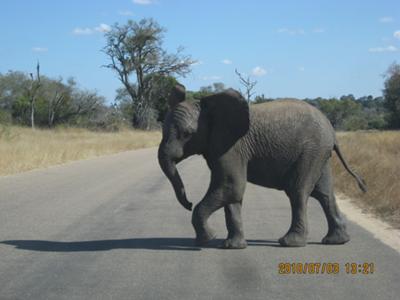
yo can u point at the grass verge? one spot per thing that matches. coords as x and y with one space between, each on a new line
23 149
376 157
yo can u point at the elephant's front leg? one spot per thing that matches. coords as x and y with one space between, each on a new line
201 213
228 181
233 218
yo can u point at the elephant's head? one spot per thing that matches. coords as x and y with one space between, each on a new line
208 127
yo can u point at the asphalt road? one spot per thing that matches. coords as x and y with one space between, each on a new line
110 228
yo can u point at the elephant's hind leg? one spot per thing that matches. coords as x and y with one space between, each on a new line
297 233
323 192
300 185
233 218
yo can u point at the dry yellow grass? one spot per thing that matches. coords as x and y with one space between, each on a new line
376 157
23 149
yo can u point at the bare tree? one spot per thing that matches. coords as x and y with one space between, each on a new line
32 92
248 85
83 103
136 49
58 95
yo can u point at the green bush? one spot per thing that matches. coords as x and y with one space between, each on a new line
353 123
5 117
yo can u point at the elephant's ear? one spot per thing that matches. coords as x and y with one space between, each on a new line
228 116
176 95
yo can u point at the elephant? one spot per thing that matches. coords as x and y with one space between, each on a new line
283 144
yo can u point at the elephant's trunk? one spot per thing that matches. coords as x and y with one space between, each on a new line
168 166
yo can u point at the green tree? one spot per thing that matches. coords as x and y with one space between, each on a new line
123 104
218 87
205 91
55 102
337 111
12 86
157 97
391 94
56 98
159 93
135 50
355 122
21 110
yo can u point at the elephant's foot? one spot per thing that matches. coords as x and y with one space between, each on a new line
336 237
205 238
234 243
293 239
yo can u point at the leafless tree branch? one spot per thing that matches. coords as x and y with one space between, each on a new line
248 84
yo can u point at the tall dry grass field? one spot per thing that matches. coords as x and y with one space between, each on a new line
23 149
376 157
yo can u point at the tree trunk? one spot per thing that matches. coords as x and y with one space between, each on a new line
35 85
50 119
33 112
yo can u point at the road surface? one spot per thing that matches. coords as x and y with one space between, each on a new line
110 228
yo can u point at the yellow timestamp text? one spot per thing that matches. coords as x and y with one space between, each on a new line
315 268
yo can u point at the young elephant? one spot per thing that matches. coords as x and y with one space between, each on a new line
284 145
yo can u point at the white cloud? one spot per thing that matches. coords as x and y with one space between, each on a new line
292 31
212 77
143 2
82 31
386 20
299 31
396 34
197 63
40 49
103 28
258 71
383 49
318 30
226 61
125 13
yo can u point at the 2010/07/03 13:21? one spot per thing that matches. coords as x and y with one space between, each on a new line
353 268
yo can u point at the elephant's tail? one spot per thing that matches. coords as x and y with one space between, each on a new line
361 183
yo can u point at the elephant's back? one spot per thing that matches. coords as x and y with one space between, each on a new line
289 126
290 114
287 109
282 134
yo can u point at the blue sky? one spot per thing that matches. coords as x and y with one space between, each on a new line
292 48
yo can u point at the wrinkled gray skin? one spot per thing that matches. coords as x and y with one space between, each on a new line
284 145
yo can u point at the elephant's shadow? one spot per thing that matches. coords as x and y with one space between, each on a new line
161 243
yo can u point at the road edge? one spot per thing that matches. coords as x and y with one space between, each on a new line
380 230
74 161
